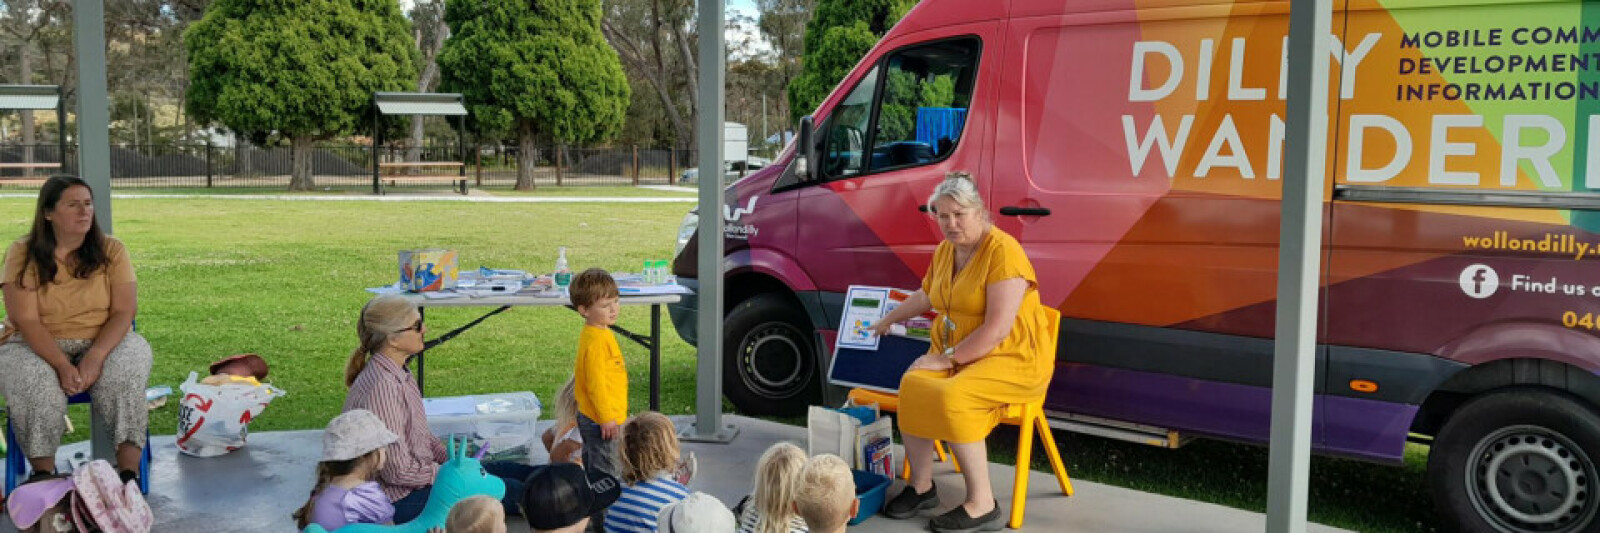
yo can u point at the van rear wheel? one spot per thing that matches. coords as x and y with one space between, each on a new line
769 365
1518 461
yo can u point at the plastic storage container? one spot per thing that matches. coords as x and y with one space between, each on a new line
870 490
506 422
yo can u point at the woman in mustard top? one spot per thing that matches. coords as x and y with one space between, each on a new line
70 298
989 349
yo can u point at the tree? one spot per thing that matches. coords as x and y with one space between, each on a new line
304 69
540 66
649 37
839 34
783 24
427 21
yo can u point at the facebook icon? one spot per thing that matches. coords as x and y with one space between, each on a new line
1479 281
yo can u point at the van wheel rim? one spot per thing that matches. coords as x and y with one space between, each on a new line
1528 478
770 361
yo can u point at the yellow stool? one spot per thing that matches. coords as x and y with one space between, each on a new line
1028 417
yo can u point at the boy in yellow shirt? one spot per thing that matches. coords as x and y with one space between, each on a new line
600 381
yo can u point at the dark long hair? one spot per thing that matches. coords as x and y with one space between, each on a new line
41 240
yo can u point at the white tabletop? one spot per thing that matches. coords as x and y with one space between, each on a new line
523 300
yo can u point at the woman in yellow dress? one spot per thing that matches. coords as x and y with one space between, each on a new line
986 353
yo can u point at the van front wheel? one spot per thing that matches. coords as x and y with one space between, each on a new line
769 365
1518 461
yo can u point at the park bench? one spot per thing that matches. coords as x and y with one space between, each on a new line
391 173
21 181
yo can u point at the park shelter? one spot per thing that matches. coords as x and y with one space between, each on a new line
394 104
38 98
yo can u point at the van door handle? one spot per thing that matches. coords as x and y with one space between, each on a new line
1014 211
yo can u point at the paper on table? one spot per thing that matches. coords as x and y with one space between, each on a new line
460 405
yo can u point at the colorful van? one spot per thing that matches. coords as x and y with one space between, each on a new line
1134 148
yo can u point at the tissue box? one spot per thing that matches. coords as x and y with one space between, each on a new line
428 270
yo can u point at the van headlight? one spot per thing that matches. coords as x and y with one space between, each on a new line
686 229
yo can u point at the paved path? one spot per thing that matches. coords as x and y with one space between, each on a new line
256 488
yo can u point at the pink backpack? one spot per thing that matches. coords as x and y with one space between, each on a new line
94 498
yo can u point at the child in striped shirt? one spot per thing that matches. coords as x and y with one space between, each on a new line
649 457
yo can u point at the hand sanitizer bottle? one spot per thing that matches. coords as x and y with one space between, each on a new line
563 276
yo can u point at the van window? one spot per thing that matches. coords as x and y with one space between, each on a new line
926 92
847 127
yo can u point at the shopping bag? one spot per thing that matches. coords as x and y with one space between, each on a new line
215 419
830 431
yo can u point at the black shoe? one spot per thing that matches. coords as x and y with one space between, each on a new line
908 502
128 476
41 475
957 521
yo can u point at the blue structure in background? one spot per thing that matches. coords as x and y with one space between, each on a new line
937 123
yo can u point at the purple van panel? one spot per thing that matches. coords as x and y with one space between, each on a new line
1224 410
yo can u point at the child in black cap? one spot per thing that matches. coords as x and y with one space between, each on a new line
561 497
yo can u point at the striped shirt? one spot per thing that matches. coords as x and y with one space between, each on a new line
750 521
636 509
386 389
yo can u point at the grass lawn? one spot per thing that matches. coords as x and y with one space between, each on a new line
285 279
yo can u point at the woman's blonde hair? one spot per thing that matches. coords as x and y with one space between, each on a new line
567 405
957 186
649 447
777 483
380 318
478 514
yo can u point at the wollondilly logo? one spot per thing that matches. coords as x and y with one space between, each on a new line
1479 281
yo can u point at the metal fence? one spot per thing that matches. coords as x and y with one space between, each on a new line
155 167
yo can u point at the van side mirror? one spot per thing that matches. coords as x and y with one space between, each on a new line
805 150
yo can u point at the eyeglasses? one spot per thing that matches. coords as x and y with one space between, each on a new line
417 327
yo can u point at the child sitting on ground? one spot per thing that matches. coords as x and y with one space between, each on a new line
771 508
563 440
560 498
698 513
346 491
827 498
478 514
649 457
600 380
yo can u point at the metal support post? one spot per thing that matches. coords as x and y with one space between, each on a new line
1299 256
708 426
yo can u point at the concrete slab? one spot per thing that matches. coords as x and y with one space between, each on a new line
255 489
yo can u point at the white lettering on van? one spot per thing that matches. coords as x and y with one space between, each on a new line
1141 49
1275 134
1591 171
1358 137
1171 147
1513 151
1236 89
1443 148
1347 62
1227 134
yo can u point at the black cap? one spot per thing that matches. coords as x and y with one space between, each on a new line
562 494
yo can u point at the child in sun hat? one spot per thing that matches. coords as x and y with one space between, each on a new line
347 491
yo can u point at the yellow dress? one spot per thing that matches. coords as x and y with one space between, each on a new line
963 404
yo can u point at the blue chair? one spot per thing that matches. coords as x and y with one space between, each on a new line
17 462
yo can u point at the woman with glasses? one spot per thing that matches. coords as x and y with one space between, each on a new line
988 351
391 331
70 291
